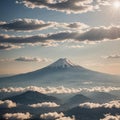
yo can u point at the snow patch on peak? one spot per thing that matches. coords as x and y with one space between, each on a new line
62 62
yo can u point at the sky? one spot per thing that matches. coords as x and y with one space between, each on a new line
35 33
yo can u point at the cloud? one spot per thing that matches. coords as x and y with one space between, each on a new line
68 6
51 115
105 2
26 25
17 116
8 46
74 25
45 104
115 56
59 89
31 59
75 46
96 34
111 104
111 117
7 104
55 116
66 118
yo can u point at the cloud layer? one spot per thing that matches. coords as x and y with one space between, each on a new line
7 104
111 104
60 89
45 104
17 116
93 34
27 25
68 6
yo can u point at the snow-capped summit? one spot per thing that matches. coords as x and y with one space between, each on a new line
62 62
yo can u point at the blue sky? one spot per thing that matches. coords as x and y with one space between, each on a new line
34 34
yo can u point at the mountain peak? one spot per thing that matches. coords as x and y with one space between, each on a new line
62 62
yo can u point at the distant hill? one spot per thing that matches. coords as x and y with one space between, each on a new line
102 97
76 100
32 97
91 114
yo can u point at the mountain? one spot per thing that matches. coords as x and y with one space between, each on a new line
91 114
61 72
76 100
102 97
32 97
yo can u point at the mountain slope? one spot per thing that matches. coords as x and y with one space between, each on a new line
102 97
32 97
76 100
61 72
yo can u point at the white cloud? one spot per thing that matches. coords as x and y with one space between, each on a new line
66 118
7 104
75 46
51 115
17 116
111 104
111 117
45 104
59 89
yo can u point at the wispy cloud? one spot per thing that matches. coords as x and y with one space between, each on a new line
111 104
17 116
7 104
114 56
44 104
60 89
31 59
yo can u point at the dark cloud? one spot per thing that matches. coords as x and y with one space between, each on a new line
31 59
93 35
26 25
8 46
68 6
